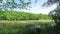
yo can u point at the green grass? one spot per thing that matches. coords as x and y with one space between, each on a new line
21 28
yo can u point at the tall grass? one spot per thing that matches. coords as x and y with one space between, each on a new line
20 28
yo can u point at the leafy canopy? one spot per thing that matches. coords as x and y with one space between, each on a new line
12 4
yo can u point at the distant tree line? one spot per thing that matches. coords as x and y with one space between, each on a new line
14 15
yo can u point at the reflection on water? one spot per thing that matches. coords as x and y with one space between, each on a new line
40 28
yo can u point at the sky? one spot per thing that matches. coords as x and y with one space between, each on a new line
43 10
37 7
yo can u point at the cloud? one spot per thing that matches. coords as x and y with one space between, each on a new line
43 10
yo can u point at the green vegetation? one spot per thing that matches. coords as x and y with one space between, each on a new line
14 15
21 28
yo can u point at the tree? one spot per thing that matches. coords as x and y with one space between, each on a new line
12 4
55 13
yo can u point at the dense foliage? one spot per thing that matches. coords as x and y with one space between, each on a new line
14 15
14 4
55 13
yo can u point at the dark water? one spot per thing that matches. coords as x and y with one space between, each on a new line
42 29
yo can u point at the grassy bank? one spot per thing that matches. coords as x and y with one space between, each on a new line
21 28
25 21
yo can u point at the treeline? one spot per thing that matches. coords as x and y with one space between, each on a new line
14 15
